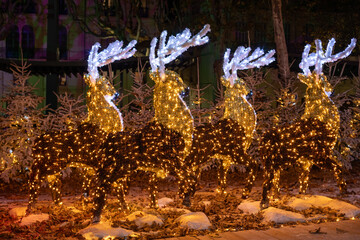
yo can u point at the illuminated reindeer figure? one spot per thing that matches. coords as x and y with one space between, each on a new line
56 150
170 109
102 111
238 109
161 146
311 139
229 138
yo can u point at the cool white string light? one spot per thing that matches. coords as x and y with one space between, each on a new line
112 53
241 60
318 58
175 46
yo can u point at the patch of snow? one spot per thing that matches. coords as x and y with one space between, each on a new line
17 212
301 204
33 218
277 215
206 203
141 219
162 202
249 207
320 201
103 230
194 220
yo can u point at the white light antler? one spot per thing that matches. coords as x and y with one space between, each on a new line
318 58
112 53
175 46
241 60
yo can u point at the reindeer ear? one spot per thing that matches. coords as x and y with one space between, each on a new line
87 79
327 86
225 82
155 76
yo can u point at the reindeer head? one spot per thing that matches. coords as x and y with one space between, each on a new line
240 61
105 88
316 80
175 46
172 85
318 104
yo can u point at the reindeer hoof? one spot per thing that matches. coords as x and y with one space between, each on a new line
245 196
264 204
345 192
28 211
96 219
186 202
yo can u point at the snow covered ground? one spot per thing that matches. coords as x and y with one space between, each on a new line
209 212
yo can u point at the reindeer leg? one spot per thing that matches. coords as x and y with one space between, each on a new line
120 193
55 187
34 182
188 185
99 197
86 185
268 176
222 173
252 170
153 190
338 173
304 176
276 185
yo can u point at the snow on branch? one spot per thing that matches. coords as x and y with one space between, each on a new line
112 53
241 60
318 58
175 46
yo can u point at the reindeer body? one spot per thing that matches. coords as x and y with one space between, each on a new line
56 150
151 148
311 139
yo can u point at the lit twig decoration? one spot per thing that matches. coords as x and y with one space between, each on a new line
229 138
311 139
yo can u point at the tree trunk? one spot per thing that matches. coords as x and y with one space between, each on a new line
279 35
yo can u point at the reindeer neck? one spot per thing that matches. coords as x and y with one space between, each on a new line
318 105
102 111
240 110
170 109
